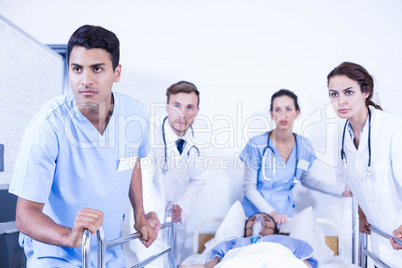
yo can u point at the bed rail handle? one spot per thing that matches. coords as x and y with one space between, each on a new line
364 252
383 234
171 236
103 246
86 248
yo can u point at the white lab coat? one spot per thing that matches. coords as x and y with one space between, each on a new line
380 197
181 184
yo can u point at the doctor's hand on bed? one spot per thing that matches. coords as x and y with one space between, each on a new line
279 218
398 234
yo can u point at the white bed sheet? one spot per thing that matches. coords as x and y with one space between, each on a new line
260 255
337 262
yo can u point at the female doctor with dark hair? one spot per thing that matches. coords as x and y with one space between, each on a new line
276 160
371 154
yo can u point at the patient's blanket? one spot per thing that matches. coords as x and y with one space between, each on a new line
299 249
257 255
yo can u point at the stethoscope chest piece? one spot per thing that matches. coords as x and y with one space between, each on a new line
165 165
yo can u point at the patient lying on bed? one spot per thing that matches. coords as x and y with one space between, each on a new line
294 250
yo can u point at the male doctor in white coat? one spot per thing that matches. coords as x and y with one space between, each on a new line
171 172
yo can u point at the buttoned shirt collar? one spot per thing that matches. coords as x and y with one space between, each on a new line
171 137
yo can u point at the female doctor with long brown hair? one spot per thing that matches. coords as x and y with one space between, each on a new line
372 156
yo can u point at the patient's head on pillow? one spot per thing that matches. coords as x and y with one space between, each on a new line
268 225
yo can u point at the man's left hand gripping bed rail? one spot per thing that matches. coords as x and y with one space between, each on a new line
102 246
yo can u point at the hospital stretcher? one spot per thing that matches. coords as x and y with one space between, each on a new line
364 252
103 246
323 235
199 239
333 242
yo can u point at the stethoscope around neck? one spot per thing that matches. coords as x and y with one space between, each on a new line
343 154
264 157
165 165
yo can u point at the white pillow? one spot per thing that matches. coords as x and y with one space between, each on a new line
304 226
233 223
231 226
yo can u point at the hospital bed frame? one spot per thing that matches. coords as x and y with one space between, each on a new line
333 242
364 252
102 246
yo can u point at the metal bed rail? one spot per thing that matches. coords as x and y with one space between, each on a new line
102 246
364 252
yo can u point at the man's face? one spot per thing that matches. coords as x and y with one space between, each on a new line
182 110
91 77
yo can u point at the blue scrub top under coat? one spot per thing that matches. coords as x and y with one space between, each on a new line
278 191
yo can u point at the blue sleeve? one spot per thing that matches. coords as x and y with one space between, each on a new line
145 147
222 248
252 154
312 262
36 162
137 127
304 251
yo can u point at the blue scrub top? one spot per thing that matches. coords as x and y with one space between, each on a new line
65 163
278 191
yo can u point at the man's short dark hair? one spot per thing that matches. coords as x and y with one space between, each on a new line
183 87
90 36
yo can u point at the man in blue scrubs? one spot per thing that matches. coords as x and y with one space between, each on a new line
80 160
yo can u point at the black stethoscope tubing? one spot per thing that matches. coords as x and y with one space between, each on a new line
343 154
274 155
